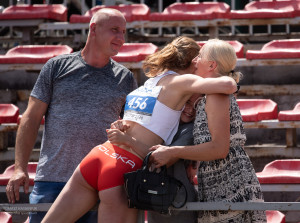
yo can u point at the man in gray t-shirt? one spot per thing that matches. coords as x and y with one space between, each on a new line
80 95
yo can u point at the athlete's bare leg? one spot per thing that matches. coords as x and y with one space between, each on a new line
76 198
113 207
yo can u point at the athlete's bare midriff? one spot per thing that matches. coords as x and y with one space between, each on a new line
141 134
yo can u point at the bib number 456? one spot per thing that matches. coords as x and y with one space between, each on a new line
138 102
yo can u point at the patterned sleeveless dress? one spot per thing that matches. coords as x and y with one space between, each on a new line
232 179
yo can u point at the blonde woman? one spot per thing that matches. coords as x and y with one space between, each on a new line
152 114
225 172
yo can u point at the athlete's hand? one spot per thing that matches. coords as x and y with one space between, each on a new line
120 125
115 136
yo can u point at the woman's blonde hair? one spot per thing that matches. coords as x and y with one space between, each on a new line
177 55
224 55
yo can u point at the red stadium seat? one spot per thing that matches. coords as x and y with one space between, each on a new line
275 217
9 113
33 53
254 110
290 115
57 12
135 52
4 178
238 47
133 12
5 217
192 11
267 9
276 49
281 172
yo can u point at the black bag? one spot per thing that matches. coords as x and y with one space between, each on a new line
153 191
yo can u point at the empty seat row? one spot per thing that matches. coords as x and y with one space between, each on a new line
129 52
278 175
55 12
252 110
174 12
135 52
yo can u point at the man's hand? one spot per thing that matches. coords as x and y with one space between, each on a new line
19 178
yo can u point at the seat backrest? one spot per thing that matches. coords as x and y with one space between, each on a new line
287 44
9 113
288 5
277 49
283 165
56 12
33 54
134 52
5 217
198 7
216 8
39 50
290 115
257 109
275 217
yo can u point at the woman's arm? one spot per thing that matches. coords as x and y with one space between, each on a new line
217 110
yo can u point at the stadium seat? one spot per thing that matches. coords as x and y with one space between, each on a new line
4 178
254 110
9 113
290 115
5 217
135 52
267 9
238 47
280 172
33 53
275 217
192 11
276 49
57 12
133 12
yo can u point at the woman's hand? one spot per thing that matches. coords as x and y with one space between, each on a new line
116 136
161 155
120 125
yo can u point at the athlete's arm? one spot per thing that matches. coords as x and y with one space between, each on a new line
190 83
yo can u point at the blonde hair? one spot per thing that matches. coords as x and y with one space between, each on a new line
224 55
177 55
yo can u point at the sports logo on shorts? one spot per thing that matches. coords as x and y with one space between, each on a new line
117 156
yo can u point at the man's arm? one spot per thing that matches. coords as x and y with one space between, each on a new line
25 140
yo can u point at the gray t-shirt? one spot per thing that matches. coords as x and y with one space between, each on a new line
82 103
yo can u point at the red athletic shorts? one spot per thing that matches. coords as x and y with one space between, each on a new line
106 164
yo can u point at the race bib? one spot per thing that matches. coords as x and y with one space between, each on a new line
140 104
